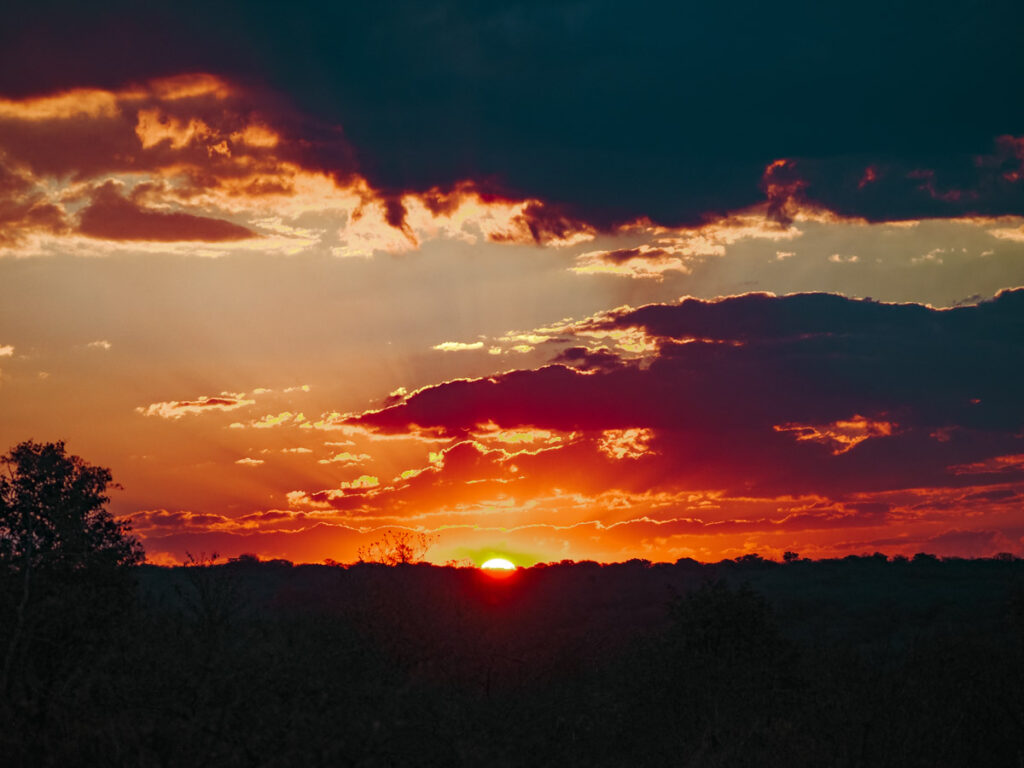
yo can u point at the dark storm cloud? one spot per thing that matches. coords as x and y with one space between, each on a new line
798 394
609 110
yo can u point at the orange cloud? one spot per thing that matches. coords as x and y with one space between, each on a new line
175 409
841 435
346 458
1008 463
625 443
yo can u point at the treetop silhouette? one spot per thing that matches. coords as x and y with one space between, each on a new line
397 548
53 515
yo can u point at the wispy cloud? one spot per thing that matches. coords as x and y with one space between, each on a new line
175 409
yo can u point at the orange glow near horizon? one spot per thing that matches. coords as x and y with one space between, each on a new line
498 568
499 564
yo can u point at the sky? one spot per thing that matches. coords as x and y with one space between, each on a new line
543 281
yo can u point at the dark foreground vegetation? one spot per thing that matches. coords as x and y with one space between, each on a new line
858 662
855 662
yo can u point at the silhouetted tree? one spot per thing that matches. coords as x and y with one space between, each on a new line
52 514
246 558
397 548
63 557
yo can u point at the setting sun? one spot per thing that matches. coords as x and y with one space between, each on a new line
499 564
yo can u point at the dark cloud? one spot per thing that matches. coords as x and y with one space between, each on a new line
760 317
586 359
989 182
609 110
808 393
112 217
622 255
162 520
547 222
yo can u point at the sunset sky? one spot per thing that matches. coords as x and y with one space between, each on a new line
588 280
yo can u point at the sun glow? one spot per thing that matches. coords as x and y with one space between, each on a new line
498 564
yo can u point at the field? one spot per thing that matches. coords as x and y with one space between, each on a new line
854 662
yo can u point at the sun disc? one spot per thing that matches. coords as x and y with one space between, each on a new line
499 564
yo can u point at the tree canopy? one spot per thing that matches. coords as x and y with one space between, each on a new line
53 515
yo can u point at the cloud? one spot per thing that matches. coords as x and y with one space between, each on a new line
809 393
361 483
148 521
842 435
100 344
175 409
663 136
200 158
196 158
544 224
250 135
680 249
271 420
985 184
1014 234
170 160
6 350
346 458
458 346
157 523
24 210
625 443
585 359
112 217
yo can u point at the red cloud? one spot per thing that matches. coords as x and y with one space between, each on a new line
905 391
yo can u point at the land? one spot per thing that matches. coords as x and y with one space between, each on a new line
864 661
